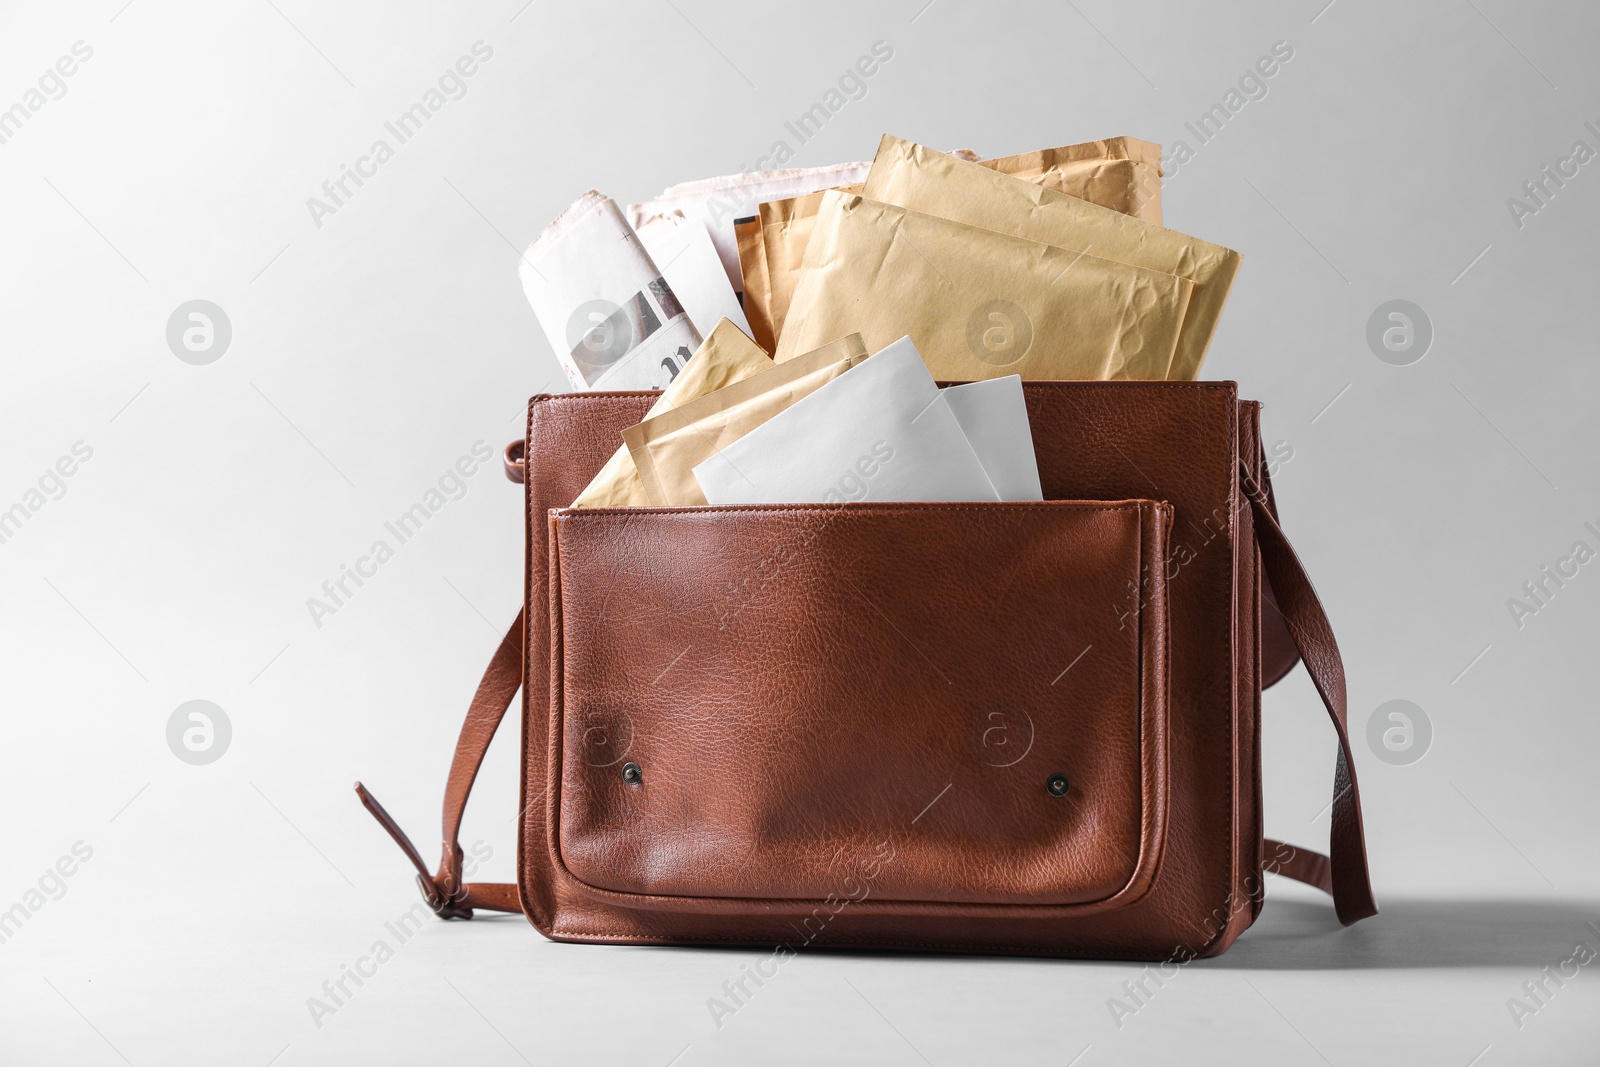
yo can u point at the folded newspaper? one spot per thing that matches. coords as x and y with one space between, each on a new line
604 306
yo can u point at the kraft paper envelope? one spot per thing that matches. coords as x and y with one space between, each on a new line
920 179
757 287
767 296
786 227
979 304
725 357
1121 173
994 416
666 448
881 432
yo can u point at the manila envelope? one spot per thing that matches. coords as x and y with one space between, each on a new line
724 357
917 178
757 289
1121 173
786 227
882 432
979 304
666 448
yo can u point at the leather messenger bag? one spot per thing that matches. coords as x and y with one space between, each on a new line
1016 728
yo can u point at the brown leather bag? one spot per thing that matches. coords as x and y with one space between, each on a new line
1028 728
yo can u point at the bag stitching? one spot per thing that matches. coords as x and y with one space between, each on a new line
861 507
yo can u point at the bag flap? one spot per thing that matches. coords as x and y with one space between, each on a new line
796 703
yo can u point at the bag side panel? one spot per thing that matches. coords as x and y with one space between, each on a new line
570 437
1248 890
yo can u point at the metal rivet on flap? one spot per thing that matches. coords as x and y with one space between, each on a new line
1058 785
631 773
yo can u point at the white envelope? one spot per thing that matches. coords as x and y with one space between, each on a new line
881 431
994 417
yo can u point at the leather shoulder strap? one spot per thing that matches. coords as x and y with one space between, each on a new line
1343 873
445 892
1278 653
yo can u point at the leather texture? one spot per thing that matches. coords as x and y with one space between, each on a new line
804 688
741 658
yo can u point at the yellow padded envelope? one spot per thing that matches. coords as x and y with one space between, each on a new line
667 447
724 357
918 178
1121 173
976 303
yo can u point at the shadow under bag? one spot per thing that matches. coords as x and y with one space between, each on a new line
1018 728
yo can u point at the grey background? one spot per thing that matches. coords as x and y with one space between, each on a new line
370 353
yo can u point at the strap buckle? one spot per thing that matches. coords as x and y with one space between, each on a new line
442 906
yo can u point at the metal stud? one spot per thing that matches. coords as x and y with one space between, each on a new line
1058 785
631 773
